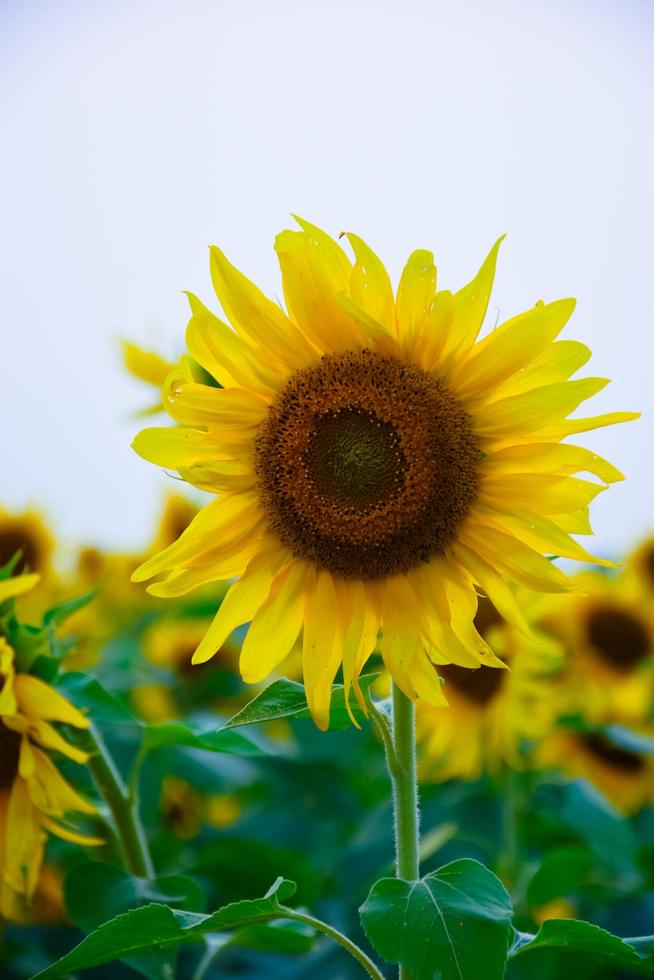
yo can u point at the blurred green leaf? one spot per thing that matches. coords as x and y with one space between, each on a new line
95 892
233 743
560 873
162 927
287 699
88 693
454 923
60 613
583 937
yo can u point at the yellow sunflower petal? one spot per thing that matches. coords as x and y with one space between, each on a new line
195 404
426 682
415 294
570 427
314 271
511 347
176 447
514 559
51 793
539 492
370 285
221 352
471 304
49 738
222 522
241 603
557 363
12 587
146 365
277 624
493 586
257 317
231 562
321 647
65 833
532 411
543 535
553 458
38 699
401 639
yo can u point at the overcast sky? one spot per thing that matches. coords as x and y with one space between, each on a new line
137 133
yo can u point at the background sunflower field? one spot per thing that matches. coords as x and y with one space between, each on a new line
167 820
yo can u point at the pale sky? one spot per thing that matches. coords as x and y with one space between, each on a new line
137 133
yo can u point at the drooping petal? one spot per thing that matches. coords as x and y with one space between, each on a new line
493 585
321 647
514 559
241 603
38 699
222 522
278 622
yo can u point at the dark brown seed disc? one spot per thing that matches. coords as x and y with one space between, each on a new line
617 637
366 464
478 684
9 752
14 540
612 755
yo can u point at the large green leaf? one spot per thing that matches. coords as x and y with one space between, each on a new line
573 936
453 924
287 699
160 926
184 733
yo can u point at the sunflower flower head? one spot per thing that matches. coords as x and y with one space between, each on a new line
35 799
373 463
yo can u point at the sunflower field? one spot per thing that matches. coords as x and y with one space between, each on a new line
361 721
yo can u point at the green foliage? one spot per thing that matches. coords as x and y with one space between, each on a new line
159 926
454 923
286 699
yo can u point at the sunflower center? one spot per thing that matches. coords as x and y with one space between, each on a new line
366 464
612 755
617 637
12 541
9 752
479 684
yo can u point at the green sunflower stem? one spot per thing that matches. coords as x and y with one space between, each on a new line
405 788
122 805
401 758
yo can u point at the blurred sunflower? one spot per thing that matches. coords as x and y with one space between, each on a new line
494 715
185 809
622 775
373 462
27 535
641 565
34 797
607 632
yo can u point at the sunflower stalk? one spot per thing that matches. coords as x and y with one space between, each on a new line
122 804
405 793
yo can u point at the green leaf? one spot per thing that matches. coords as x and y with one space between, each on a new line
95 892
59 614
87 693
453 924
161 927
233 743
571 935
287 699
561 871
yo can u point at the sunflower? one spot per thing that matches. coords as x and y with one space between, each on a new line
622 775
607 632
640 565
373 463
34 797
494 715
